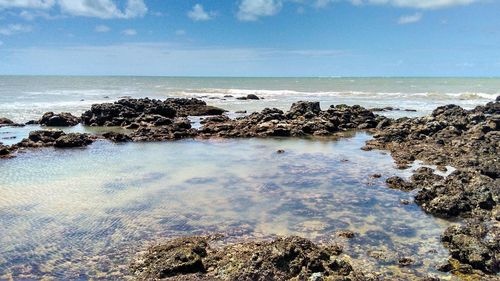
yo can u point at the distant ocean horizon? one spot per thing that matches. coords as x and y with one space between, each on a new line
26 97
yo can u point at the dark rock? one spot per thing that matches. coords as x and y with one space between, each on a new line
41 138
280 151
63 119
399 183
376 176
476 244
117 137
73 140
345 234
241 98
281 259
5 121
252 97
154 112
4 150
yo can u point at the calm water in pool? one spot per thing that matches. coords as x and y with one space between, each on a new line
82 213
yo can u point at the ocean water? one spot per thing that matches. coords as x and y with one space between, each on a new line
84 213
80 214
25 98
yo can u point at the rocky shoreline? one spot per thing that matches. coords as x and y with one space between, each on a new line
467 140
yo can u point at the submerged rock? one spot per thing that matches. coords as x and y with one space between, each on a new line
281 259
63 119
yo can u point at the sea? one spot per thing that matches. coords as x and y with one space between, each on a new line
84 214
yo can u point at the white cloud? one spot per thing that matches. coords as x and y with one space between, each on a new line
102 28
251 10
105 9
419 4
29 4
198 13
12 29
129 32
410 18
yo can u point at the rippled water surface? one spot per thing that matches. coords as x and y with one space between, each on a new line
82 213
23 98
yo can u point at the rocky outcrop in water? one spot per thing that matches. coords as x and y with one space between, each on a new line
5 121
4 150
303 118
470 142
476 243
63 119
145 111
56 138
290 258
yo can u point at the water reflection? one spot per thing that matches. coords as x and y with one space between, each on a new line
84 213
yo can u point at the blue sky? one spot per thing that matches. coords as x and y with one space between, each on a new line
251 37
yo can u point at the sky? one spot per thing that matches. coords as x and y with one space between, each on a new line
250 37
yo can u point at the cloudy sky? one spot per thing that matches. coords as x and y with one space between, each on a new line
251 37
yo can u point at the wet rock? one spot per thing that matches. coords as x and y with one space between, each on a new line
117 137
405 261
475 243
376 176
303 118
73 140
154 112
241 112
282 259
41 138
302 108
5 121
399 183
345 234
4 150
177 257
252 97
63 119
280 151
459 194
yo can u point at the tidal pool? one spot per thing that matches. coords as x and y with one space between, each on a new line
84 213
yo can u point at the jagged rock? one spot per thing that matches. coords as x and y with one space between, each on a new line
475 243
399 183
281 259
4 150
41 138
117 137
73 140
63 119
155 112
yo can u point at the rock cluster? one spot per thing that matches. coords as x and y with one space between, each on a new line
56 138
468 140
5 121
303 118
63 119
287 258
138 112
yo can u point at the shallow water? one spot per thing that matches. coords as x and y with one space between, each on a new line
84 213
